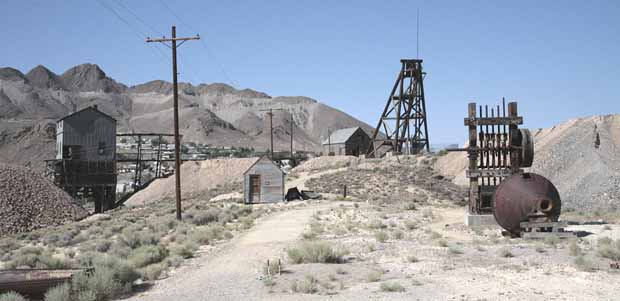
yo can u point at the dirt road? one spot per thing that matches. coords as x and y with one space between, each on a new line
232 273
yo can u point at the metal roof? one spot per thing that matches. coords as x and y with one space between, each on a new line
341 136
93 108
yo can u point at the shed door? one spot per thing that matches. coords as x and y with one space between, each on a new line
254 188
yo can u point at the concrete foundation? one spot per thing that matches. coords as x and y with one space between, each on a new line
478 220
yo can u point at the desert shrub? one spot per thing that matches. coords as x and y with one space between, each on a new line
308 285
583 264
341 271
574 249
435 235
609 248
411 225
184 250
131 237
59 293
316 252
119 249
412 259
392 287
208 234
110 278
12 296
247 222
428 213
145 255
505 252
442 243
540 249
374 276
376 224
371 247
153 271
410 206
381 236
9 244
205 217
398 234
148 238
103 245
174 261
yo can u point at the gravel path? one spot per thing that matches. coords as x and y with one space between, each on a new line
232 273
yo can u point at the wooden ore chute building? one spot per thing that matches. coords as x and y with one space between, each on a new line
85 162
263 182
349 141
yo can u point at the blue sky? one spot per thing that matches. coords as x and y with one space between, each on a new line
558 59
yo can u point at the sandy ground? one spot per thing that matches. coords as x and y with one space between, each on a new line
232 273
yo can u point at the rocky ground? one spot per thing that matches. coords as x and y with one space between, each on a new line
28 202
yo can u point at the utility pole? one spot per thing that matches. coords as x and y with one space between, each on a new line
292 124
270 113
177 142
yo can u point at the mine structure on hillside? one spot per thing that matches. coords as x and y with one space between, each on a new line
86 156
498 150
402 127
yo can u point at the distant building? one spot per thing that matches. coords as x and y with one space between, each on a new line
263 182
350 141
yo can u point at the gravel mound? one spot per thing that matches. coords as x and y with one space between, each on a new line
196 178
28 201
581 157
327 162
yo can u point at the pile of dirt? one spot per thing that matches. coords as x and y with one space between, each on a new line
327 162
196 178
29 201
580 156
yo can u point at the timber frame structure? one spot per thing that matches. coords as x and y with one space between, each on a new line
497 149
403 121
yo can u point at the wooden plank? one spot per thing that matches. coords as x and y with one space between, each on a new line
535 235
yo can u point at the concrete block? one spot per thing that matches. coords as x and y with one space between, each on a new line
478 220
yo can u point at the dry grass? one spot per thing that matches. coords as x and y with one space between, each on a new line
316 252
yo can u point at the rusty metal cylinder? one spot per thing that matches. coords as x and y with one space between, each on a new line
523 196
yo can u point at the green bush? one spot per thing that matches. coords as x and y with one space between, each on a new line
374 276
59 293
381 236
206 217
153 271
583 264
392 287
145 255
309 285
184 250
316 252
12 296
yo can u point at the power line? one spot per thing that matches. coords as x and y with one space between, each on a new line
204 45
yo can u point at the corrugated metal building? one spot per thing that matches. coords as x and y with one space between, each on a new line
263 182
350 141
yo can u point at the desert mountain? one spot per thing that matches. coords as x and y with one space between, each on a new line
216 114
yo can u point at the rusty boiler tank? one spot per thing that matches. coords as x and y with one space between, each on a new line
525 197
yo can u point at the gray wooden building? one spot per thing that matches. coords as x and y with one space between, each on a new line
263 182
349 141
85 162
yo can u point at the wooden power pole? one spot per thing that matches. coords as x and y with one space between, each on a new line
270 113
177 142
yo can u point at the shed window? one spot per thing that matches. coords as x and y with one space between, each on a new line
101 149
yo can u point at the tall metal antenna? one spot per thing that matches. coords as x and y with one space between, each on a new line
417 36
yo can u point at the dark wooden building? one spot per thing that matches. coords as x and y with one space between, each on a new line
263 182
85 161
350 141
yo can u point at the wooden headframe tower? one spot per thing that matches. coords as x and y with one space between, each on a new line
402 127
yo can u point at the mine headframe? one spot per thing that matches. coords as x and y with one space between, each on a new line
402 127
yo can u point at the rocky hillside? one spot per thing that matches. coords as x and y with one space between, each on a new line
580 156
216 114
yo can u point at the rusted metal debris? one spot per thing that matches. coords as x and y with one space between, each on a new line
34 282
526 197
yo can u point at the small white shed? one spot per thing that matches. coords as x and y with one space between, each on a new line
263 182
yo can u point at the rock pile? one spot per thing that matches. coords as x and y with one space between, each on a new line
28 201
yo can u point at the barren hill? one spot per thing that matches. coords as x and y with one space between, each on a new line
215 114
584 168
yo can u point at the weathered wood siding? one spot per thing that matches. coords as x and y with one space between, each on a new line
358 143
271 181
93 133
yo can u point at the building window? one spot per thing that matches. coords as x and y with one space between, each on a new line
101 149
